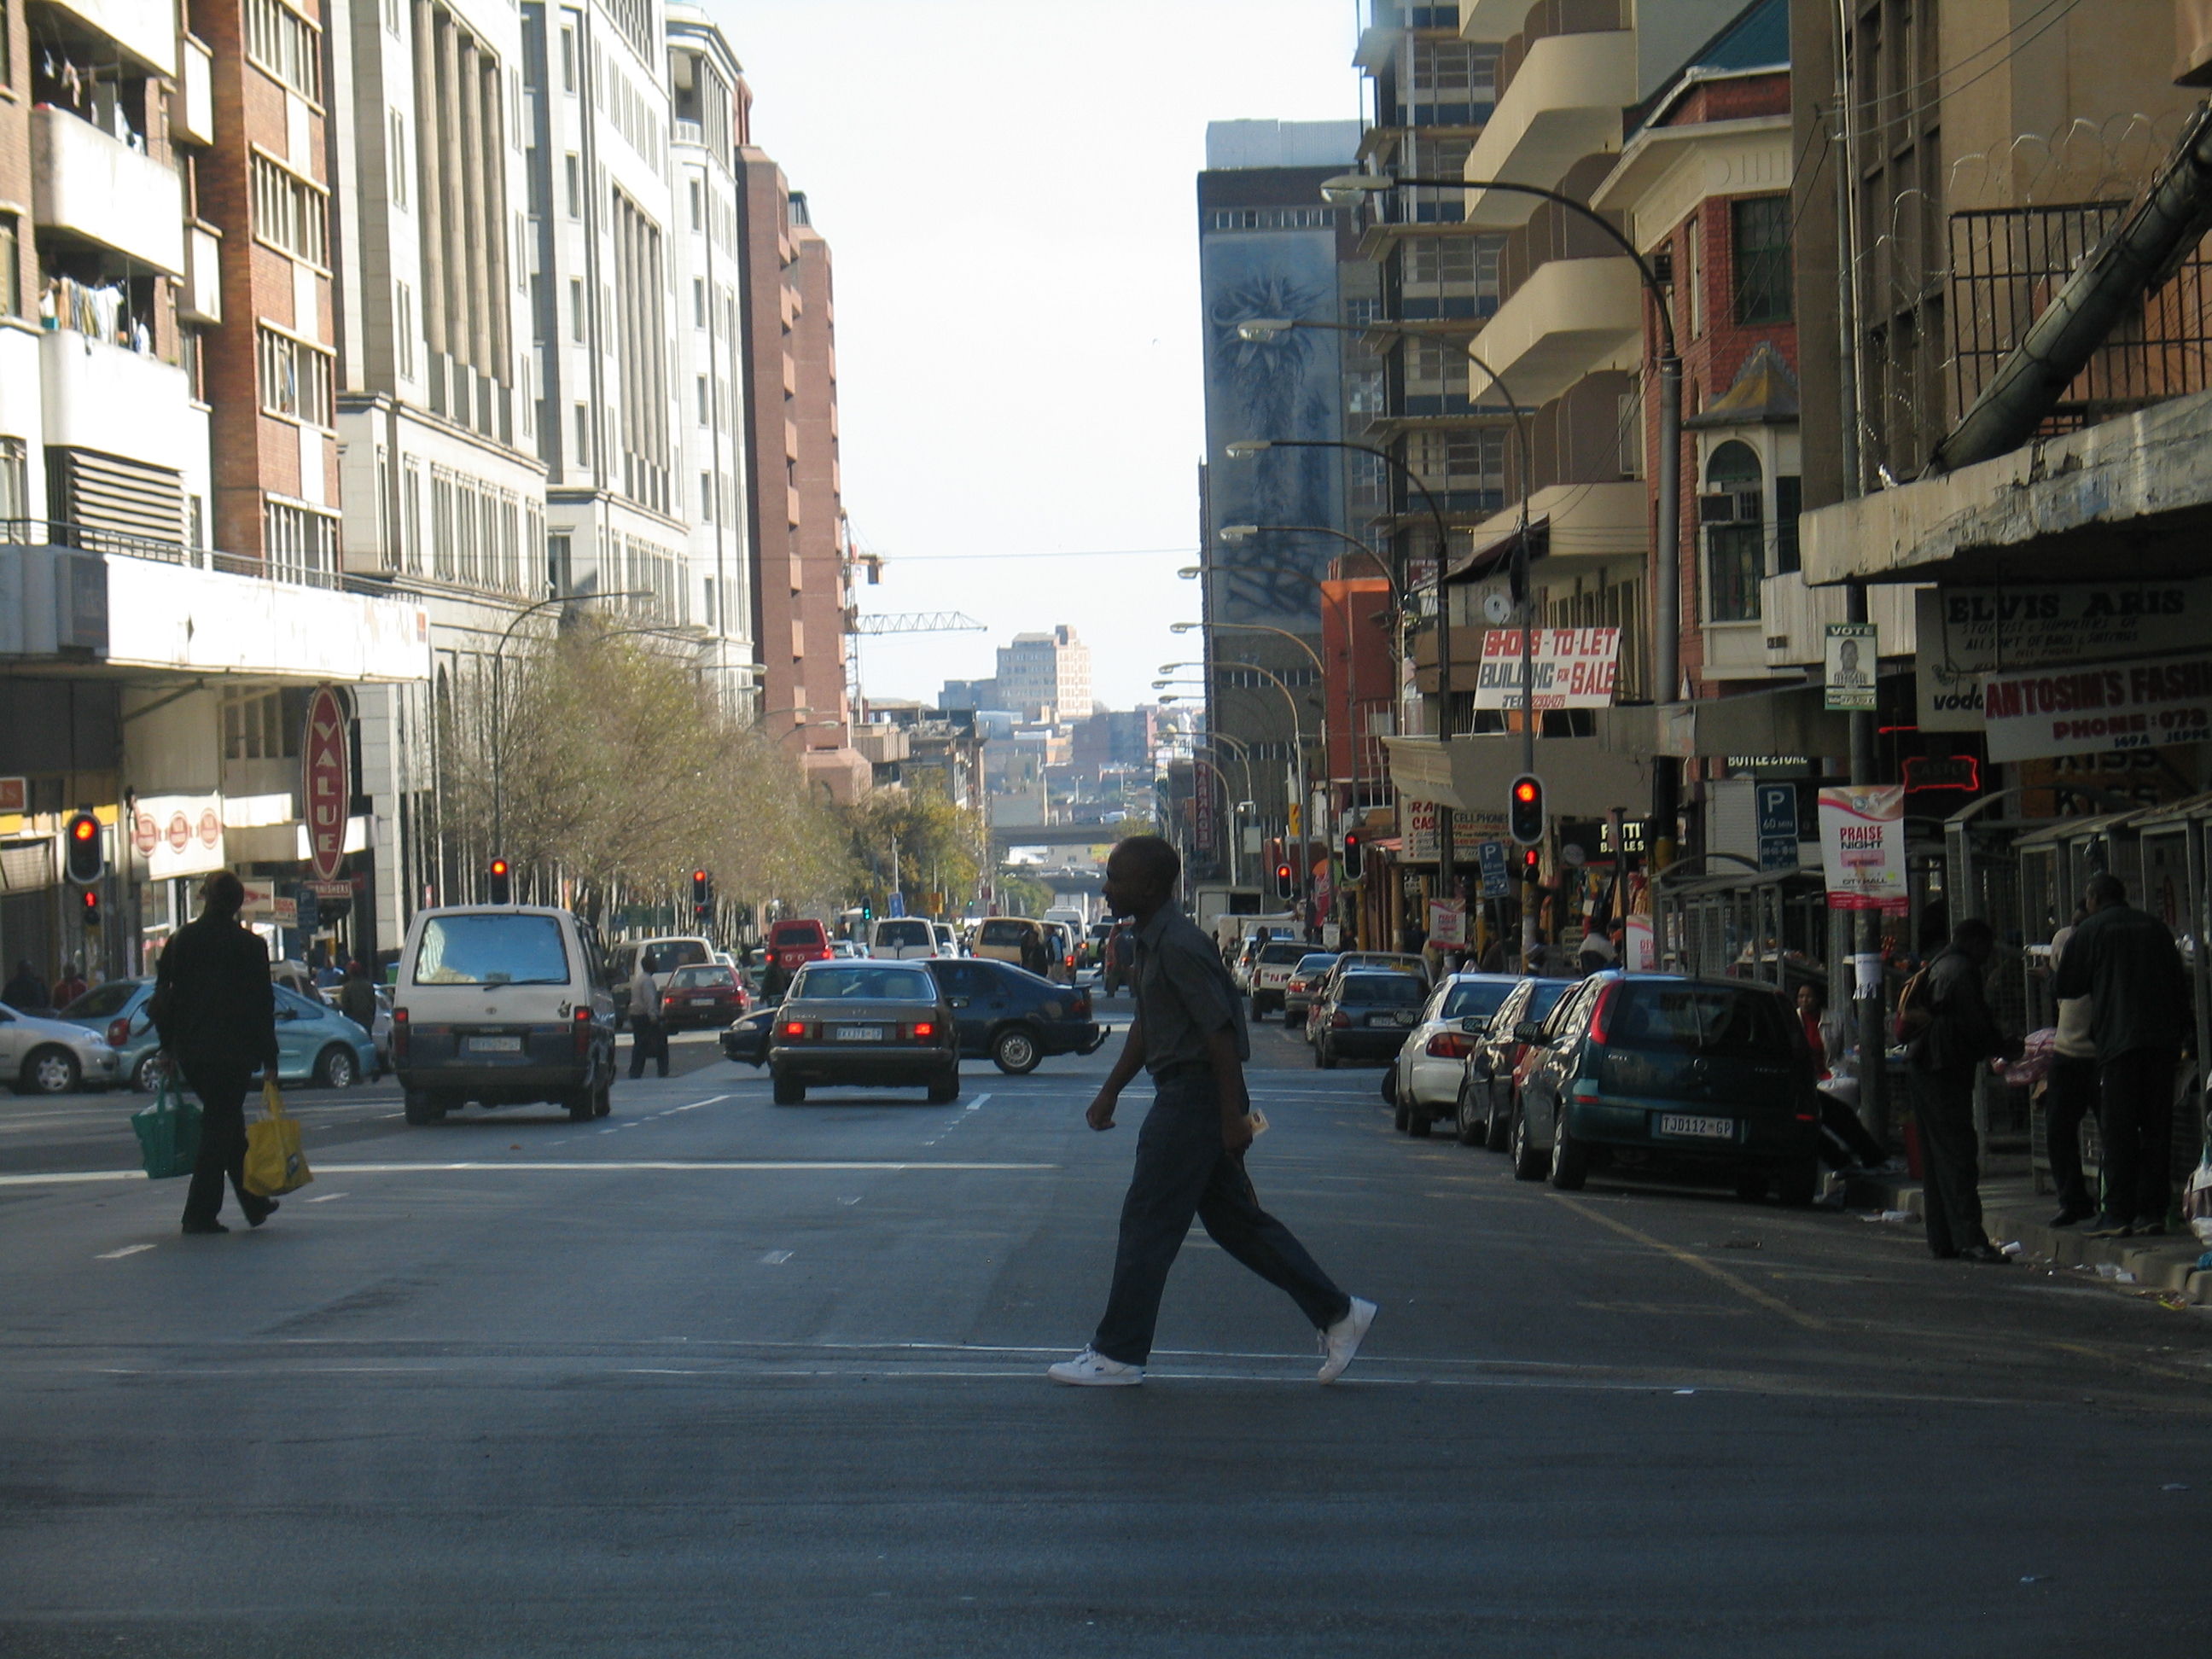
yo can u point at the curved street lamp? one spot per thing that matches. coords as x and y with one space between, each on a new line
1297 752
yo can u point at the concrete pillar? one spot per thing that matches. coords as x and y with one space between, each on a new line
451 229
499 363
476 270
430 198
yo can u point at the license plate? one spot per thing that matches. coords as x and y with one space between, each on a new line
1697 1128
702 1002
856 1034
495 1045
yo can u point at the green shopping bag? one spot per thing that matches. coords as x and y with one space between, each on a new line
168 1133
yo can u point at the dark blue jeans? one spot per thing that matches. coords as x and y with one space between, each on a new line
1182 1171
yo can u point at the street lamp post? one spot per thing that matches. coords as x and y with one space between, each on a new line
1666 593
1304 831
1245 447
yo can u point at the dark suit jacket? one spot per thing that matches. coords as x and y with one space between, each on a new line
220 1010
2123 960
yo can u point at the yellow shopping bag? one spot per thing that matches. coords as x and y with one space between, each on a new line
274 1163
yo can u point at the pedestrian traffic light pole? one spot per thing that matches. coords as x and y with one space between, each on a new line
1243 448
1347 189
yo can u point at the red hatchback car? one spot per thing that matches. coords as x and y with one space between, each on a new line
706 994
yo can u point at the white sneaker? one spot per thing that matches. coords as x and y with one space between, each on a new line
1342 1340
1093 1369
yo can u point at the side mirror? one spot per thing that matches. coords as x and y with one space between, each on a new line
958 1002
1531 1031
1476 1025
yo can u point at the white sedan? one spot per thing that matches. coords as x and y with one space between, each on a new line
1425 1076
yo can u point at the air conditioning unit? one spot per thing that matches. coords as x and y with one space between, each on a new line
1730 507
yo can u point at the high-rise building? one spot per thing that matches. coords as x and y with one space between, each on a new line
1046 672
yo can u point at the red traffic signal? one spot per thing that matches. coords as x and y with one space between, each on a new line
83 856
1285 881
89 906
1524 809
1355 853
502 887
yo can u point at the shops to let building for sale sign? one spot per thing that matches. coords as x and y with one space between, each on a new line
1569 667
2099 709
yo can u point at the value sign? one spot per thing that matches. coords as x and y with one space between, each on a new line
325 782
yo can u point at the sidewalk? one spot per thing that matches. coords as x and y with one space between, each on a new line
2012 1209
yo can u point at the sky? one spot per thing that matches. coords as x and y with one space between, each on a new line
1009 195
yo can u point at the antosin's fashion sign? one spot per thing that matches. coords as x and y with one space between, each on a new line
1967 634
2099 709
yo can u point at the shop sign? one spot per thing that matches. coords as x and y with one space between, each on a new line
1965 633
178 835
1850 654
1447 924
1570 667
2101 708
325 782
1470 831
1202 819
15 795
1862 847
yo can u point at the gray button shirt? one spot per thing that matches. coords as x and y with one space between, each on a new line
1183 993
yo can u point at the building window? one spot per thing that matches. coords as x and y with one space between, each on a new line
286 44
298 545
1735 551
576 308
576 188
698 302
398 169
295 379
704 400
11 258
696 213
583 435
290 213
568 59
410 516
1761 255
1788 503
404 305
706 498
1693 275
14 480
263 724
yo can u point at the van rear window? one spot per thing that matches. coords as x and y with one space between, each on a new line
1700 1019
904 933
490 950
1004 932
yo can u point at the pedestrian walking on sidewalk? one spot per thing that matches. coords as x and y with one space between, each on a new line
1190 1153
70 985
217 1015
2126 961
26 992
2069 1090
1961 1033
648 1036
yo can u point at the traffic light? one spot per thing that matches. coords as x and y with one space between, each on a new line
89 906
1524 809
1355 853
1286 881
1531 865
501 888
87 861
702 905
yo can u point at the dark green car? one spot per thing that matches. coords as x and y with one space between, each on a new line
1684 1080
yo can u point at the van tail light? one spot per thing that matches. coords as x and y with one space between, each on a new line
118 1032
1604 1008
1450 1045
402 1037
1340 1019
582 1025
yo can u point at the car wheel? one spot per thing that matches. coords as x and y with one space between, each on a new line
1469 1129
946 1090
1798 1185
1324 1056
580 1107
1418 1121
1014 1051
1570 1157
1252 1011
50 1072
146 1075
1499 1130
788 1093
336 1068
423 1106
1528 1162
603 1099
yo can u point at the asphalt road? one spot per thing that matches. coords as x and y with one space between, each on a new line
715 1376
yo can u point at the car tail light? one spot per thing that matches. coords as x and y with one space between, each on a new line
1450 1045
1083 1005
1599 1013
1296 985
401 1034
923 1028
1585 1092
582 1025
795 1028
1339 1018
118 1031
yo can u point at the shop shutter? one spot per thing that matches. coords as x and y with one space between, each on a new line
123 498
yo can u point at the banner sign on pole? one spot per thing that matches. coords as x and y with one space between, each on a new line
1572 667
2099 709
178 835
1447 924
1863 846
1852 653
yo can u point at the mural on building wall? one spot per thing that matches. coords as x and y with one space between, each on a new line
1288 387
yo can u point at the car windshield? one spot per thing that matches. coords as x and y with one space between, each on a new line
668 955
860 983
1706 1020
1003 932
1380 965
903 933
481 948
1476 998
102 1001
1276 954
1386 990
697 977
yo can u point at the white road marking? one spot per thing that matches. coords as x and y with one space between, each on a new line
775 1258
977 1102
325 1198
768 1165
694 1106
128 1249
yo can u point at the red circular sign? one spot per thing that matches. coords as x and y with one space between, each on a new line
210 827
145 834
180 833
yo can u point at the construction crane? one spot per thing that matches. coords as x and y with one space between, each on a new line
913 621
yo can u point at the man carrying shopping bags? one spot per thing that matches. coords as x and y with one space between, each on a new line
217 1016
1189 1034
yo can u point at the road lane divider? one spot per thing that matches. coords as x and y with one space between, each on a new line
1742 1287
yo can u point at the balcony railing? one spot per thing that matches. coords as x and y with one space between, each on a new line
114 543
2007 266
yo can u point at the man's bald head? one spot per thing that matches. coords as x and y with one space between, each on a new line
1140 875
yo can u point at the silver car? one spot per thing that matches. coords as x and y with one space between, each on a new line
51 1056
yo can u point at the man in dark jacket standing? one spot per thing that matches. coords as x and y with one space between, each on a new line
1960 1035
217 1017
2123 960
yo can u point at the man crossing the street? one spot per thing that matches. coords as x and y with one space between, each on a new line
1190 1152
